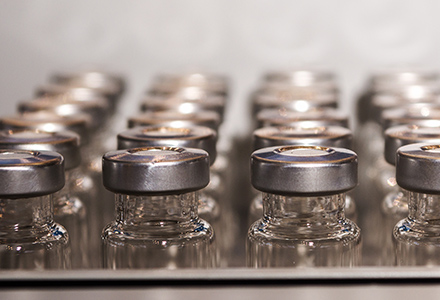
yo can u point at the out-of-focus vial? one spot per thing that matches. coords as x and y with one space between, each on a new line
155 104
394 206
157 223
298 135
69 209
277 117
416 238
169 84
176 119
211 207
289 102
392 79
110 85
30 238
86 183
304 223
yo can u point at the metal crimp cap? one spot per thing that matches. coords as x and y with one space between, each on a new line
188 137
418 167
176 119
398 136
155 170
64 142
304 170
30 173
48 121
276 117
299 134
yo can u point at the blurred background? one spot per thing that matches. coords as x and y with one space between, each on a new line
241 39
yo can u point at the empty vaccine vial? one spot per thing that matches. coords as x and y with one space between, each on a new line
416 238
69 209
157 223
279 117
296 135
31 239
394 206
211 207
304 223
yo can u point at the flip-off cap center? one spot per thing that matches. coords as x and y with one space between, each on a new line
305 151
432 148
166 131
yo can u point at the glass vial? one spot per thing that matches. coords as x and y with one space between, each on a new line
416 238
295 135
304 222
31 239
157 223
210 207
69 209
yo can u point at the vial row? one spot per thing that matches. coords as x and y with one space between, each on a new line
165 216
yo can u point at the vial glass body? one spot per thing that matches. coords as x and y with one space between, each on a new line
158 232
303 232
417 237
70 211
30 239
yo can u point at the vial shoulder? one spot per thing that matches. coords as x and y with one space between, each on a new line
411 232
344 232
197 231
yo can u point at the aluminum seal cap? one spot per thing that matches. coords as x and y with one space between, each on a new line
304 170
49 122
92 78
277 117
292 102
416 113
418 167
298 134
64 142
56 89
30 173
156 170
398 136
188 137
176 119
168 84
300 76
184 106
97 109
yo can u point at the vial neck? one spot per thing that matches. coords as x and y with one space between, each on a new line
153 210
25 213
424 208
288 210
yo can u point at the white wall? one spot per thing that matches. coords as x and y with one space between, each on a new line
239 38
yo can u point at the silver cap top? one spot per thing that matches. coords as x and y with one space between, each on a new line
30 173
398 136
298 134
276 117
304 170
48 121
167 84
176 119
64 142
401 77
418 167
97 108
292 102
188 137
91 78
156 170
184 106
416 113
300 76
